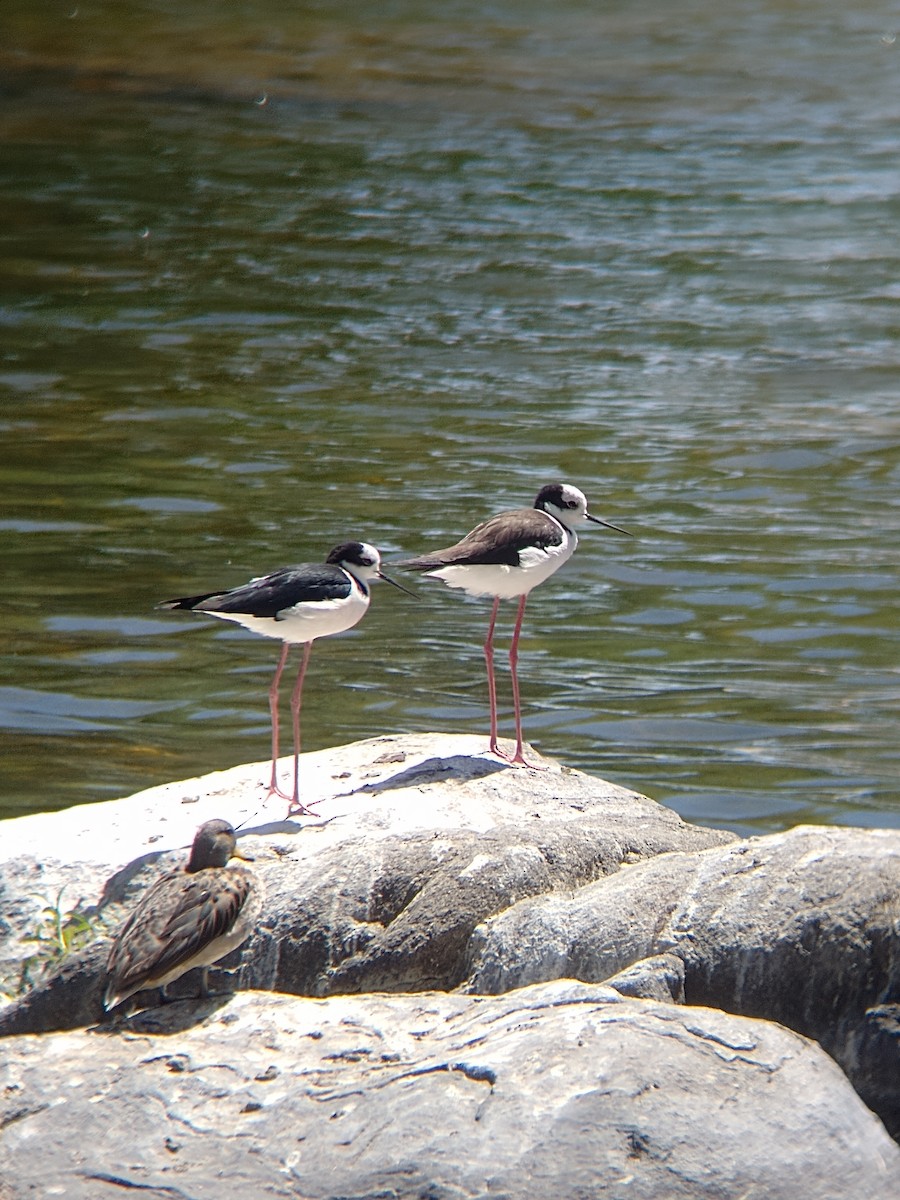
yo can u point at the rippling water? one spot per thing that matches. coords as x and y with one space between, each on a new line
380 270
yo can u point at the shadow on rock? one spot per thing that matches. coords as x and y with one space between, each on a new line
460 768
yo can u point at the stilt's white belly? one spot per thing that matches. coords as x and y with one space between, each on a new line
304 622
504 581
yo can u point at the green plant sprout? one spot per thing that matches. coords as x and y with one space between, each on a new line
59 932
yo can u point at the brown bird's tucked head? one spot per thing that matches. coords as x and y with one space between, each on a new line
214 844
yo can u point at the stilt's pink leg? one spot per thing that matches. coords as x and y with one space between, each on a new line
491 681
518 757
296 701
514 673
274 789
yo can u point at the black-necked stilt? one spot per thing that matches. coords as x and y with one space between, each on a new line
507 556
297 604
189 918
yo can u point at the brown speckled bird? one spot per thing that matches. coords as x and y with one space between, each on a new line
189 918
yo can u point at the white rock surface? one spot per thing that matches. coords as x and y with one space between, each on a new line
380 780
561 1090
419 838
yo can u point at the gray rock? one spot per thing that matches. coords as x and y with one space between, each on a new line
432 866
657 978
801 927
417 843
561 1090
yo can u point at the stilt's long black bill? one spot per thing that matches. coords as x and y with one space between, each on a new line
608 525
399 586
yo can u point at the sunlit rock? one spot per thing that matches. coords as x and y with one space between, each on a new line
558 1090
418 840
433 879
801 927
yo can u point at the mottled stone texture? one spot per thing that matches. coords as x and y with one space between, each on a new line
416 844
801 927
431 921
561 1090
